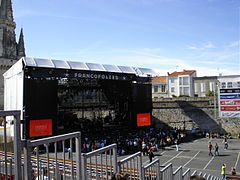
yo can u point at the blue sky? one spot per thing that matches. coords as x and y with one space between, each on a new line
165 35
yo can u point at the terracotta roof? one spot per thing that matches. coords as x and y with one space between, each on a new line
185 72
159 79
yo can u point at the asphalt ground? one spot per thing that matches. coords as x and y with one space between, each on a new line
194 155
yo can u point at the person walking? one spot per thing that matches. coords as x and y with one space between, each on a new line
216 150
176 143
223 171
225 143
210 147
150 155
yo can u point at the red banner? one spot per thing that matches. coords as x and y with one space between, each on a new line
42 127
143 119
230 108
230 102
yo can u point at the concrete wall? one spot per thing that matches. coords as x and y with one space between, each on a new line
193 112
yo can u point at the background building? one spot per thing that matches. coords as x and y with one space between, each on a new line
205 86
10 50
232 81
160 87
181 83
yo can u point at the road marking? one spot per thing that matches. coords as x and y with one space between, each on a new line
191 158
172 158
237 160
209 162
163 152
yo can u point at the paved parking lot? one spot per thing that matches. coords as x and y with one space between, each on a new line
194 155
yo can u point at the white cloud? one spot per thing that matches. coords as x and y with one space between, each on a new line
208 45
150 58
233 44
202 46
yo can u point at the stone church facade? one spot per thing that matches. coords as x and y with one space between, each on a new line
10 50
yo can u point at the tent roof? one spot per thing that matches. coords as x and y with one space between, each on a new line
76 65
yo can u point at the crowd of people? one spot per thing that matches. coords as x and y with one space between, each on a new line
130 141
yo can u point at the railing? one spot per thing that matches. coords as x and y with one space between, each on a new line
152 170
167 172
194 173
7 165
132 165
177 174
186 174
101 163
54 148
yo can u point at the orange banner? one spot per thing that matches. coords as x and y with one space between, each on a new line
42 127
143 119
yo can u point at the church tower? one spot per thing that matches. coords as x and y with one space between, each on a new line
8 43
10 50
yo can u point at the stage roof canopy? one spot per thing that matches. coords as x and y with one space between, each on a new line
76 65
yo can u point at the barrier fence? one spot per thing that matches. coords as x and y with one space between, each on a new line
132 165
6 164
186 174
54 148
177 174
101 163
152 170
167 172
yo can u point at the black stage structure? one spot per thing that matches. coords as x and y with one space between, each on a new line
70 96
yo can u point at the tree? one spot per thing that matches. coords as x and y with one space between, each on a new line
209 93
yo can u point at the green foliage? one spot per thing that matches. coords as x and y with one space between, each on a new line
183 95
210 93
174 96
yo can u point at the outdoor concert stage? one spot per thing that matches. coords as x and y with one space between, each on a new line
56 97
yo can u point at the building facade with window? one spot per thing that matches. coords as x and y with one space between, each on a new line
228 82
160 87
203 85
181 83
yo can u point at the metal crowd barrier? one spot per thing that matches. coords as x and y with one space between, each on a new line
7 167
167 172
194 173
54 148
186 175
177 174
132 165
101 163
152 170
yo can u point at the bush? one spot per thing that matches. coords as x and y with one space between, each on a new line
210 93
183 95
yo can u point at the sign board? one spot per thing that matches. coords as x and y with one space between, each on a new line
229 102
143 119
42 127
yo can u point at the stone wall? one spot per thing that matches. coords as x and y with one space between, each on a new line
191 113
